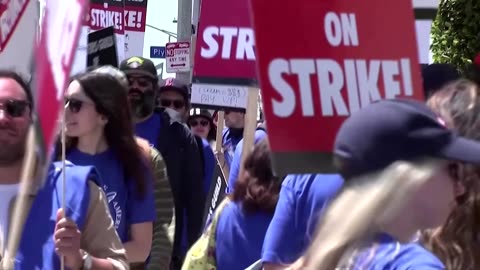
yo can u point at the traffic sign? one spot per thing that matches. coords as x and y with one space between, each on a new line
178 57
157 51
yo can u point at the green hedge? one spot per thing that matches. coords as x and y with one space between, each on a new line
456 32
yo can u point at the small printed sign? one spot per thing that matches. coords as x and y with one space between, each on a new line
178 57
224 96
157 51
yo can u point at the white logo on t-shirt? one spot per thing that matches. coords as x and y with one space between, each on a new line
111 198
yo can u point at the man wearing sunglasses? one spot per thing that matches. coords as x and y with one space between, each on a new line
85 234
162 128
173 94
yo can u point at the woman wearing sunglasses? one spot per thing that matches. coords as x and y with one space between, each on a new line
201 123
99 132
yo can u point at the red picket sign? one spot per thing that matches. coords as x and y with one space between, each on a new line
320 61
135 15
54 58
106 13
225 52
10 13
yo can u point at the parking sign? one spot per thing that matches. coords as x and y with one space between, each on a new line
178 57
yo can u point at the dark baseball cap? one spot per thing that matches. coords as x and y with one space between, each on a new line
173 84
392 130
137 65
200 112
435 76
195 113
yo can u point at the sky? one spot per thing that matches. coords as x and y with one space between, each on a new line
160 14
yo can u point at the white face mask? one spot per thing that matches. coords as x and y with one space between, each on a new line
174 115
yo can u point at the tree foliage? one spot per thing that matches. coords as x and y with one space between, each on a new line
456 32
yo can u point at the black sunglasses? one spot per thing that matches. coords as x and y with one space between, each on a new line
15 108
195 123
74 105
178 104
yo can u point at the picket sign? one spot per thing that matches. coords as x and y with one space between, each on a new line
224 60
224 71
53 60
342 61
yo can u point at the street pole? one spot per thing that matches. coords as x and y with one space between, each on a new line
193 45
184 31
196 14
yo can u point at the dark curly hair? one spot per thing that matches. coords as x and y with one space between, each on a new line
257 187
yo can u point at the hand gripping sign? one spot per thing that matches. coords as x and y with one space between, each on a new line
320 61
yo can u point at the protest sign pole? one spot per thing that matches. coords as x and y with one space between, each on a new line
184 31
250 123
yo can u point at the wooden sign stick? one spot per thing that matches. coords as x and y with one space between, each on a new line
250 123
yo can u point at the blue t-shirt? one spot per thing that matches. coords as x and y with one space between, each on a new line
230 141
149 129
237 158
303 199
209 165
239 237
386 253
125 206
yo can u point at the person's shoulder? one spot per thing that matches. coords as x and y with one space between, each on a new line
76 172
205 142
417 255
328 180
299 179
408 256
230 213
206 146
260 134
322 185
